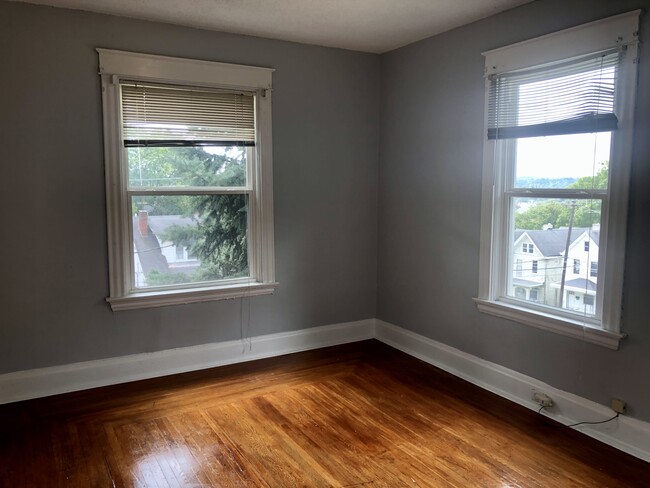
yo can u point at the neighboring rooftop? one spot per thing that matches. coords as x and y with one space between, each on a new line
552 242
160 223
526 283
147 245
581 284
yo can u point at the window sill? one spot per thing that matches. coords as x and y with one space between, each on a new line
551 323
158 298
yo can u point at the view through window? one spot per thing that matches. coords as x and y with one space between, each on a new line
188 238
553 128
549 234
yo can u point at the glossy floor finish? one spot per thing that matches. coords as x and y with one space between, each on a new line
356 415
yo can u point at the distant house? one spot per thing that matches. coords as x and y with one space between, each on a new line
538 261
153 253
582 272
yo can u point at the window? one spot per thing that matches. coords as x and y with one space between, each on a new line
593 270
556 167
527 248
188 178
180 252
533 295
576 266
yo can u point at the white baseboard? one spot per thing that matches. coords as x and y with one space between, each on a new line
625 433
35 383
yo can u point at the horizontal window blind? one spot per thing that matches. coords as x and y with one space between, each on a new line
164 116
576 96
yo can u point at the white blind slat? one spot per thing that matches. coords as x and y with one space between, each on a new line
158 115
577 96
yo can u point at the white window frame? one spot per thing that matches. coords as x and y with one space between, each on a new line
493 273
117 65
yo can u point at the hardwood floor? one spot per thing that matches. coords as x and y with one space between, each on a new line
356 415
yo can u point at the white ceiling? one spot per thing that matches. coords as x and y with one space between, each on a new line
374 26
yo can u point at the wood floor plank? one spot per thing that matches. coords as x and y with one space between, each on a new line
267 448
347 440
355 415
218 462
517 455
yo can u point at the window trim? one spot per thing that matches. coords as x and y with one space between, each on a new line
115 65
592 37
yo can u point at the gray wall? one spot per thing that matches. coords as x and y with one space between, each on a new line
328 146
53 247
429 208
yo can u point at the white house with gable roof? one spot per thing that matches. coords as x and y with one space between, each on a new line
538 261
581 280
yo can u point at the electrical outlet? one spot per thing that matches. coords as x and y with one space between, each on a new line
618 405
542 399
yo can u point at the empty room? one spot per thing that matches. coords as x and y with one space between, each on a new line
337 243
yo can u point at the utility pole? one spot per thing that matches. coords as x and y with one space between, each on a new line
566 251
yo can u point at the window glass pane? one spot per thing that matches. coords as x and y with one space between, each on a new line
189 239
576 266
566 161
187 166
554 229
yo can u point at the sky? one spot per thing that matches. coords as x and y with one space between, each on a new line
566 156
561 98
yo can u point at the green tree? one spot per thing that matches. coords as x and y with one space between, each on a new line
599 180
558 212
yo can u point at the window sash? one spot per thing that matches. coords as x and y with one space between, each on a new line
212 118
130 275
503 245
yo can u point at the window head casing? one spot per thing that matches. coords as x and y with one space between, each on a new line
559 115
188 179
